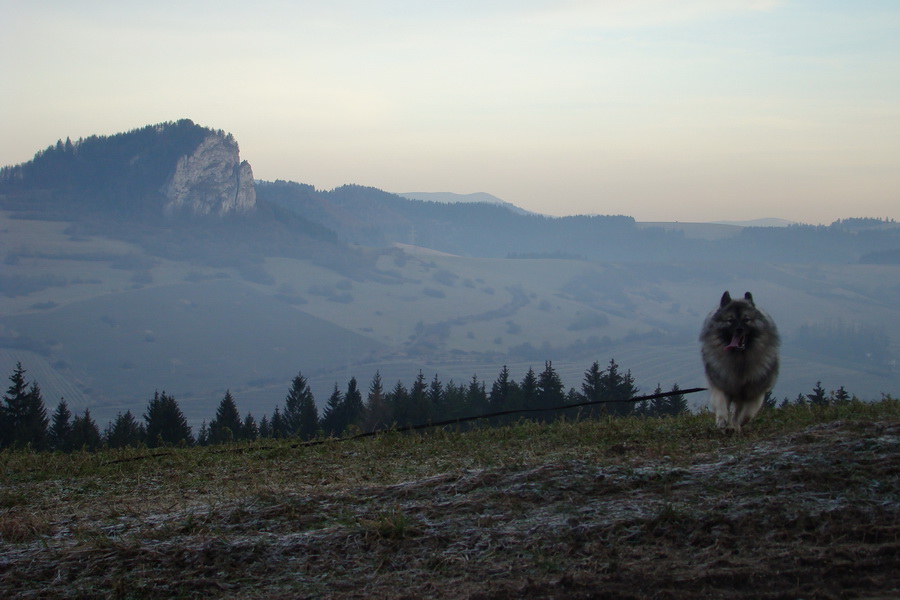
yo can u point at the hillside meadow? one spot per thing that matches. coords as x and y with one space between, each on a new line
805 503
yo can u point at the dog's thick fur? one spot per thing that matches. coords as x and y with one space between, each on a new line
739 345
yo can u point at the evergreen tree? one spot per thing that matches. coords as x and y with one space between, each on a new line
203 434
476 397
529 390
249 429
574 397
226 426
85 434
399 402
334 416
769 400
15 404
437 399
655 407
676 404
265 429
377 411
841 396
818 397
498 398
421 410
454 401
354 405
301 415
593 391
669 406
550 390
166 424
23 417
618 389
309 417
59 435
642 409
125 432
278 427
504 395
32 429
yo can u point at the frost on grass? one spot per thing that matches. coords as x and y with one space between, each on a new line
808 511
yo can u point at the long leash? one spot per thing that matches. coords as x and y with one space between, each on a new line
492 415
456 421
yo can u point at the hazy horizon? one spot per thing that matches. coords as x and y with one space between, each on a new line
692 111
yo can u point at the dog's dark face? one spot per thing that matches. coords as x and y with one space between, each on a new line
739 345
735 322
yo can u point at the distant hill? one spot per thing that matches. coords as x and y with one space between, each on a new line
717 230
759 223
371 217
450 197
699 231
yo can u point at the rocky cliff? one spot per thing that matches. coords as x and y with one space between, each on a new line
211 181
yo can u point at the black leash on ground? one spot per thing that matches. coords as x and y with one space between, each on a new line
501 413
492 415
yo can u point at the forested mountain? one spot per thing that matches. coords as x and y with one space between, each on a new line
177 189
123 173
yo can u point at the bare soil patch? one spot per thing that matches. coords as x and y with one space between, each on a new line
813 513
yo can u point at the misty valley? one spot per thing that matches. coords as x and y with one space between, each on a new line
145 263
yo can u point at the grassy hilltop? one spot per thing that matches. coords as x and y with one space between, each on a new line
805 504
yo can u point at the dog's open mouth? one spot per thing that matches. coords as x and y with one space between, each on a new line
738 342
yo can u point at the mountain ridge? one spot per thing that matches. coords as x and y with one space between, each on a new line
179 169
371 217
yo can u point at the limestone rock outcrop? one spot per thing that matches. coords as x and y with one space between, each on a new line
211 181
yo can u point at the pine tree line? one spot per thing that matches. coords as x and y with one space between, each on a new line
24 422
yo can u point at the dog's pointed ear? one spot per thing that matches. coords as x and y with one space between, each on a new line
726 300
749 298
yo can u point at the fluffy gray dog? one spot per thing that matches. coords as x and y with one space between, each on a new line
739 345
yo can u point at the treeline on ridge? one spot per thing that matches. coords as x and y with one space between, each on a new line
24 422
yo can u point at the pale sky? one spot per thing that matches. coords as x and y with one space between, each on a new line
664 110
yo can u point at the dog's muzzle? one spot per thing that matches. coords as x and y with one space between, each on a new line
738 342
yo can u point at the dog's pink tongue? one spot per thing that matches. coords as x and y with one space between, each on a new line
737 343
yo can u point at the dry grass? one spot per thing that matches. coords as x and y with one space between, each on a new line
805 503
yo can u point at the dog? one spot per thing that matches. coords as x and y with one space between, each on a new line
739 345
